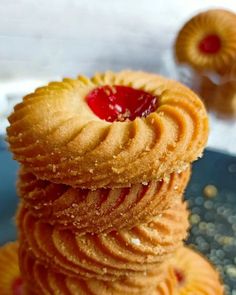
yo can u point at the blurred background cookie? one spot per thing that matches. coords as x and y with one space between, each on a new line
207 42
220 98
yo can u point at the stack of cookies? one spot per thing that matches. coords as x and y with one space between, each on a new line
104 164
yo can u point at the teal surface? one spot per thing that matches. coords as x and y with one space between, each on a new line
8 197
213 232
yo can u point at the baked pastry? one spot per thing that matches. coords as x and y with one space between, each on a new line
221 98
186 273
101 210
207 42
47 281
120 145
146 128
105 256
190 273
10 281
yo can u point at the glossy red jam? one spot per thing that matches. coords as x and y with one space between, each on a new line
17 287
179 276
210 44
120 103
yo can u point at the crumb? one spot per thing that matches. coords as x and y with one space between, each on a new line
108 91
104 269
136 241
111 106
166 178
124 116
210 191
54 168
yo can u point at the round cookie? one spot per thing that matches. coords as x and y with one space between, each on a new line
190 273
48 281
101 210
207 42
10 280
187 273
59 133
220 98
105 256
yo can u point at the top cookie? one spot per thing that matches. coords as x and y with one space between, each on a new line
207 42
112 130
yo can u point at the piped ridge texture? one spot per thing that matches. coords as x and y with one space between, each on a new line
55 134
101 210
220 98
10 281
190 273
208 24
105 256
199 278
47 280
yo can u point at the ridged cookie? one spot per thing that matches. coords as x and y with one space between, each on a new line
187 273
10 280
56 135
105 256
102 210
221 98
49 282
190 273
207 42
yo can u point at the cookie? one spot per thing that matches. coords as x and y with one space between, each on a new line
47 281
105 256
10 279
220 98
190 273
101 210
207 42
187 273
60 135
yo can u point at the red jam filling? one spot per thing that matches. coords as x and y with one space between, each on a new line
17 287
179 276
119 103
210 44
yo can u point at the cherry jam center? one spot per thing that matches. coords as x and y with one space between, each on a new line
179 276
210 44
17 287
120 103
